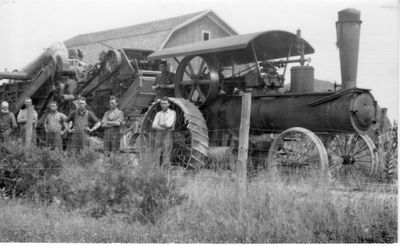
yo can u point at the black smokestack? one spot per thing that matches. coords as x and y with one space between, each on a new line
348 39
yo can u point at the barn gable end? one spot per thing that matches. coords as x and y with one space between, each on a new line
193 32
151 35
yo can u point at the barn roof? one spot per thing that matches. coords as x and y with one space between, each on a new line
159 30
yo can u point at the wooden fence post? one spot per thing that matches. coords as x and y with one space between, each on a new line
382 122
381 140
243 145
29 127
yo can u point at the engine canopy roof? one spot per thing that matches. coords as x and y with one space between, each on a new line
268 45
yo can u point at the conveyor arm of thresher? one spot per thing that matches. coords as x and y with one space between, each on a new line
41 77
109 67
132 92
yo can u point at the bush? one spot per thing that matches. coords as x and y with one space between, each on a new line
157 193
25 173
97 184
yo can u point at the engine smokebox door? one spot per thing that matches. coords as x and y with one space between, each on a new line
363 111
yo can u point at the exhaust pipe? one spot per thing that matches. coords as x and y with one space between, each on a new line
348 39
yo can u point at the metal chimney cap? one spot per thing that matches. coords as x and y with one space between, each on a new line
349 15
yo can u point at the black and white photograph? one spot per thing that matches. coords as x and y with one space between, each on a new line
199 121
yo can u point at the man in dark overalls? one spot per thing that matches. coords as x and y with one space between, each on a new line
164 84
112 121
80 127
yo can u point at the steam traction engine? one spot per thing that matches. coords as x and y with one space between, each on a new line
318 130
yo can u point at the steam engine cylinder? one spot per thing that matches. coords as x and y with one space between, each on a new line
348 39
302 79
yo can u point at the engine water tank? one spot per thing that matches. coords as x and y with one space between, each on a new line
302 79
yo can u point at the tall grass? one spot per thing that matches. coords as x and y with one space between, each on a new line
273 212
280 213
95 198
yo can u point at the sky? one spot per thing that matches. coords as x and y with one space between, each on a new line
27 27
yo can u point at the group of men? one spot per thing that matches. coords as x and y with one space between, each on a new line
77 123
56 124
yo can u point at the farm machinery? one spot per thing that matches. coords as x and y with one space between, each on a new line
296 128
58 75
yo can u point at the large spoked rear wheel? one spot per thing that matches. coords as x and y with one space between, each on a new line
190 137
298 154
197 79
352 158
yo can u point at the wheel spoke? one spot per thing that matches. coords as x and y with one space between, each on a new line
192 89
363 148
193 75
355 139
346 141
366 162
202 97
338 144
184 146
362 154
179 118
363 171
307 150
204 82
335 166
200 68
187 82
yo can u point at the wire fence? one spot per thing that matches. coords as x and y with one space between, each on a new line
190 150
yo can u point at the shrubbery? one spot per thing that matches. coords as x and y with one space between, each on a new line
26 173
92 182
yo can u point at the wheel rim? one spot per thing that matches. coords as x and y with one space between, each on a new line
297 152
197 79
352 157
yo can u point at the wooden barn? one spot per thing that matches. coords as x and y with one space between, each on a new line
153 35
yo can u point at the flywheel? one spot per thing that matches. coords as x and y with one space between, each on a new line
197 79
190 135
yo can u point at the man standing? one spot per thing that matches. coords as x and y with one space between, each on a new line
80 125
7 122
112 121
23 117
164 123
164 84
53 125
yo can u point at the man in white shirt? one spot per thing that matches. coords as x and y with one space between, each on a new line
164 123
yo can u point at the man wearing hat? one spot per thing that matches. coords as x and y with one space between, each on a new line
7 122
